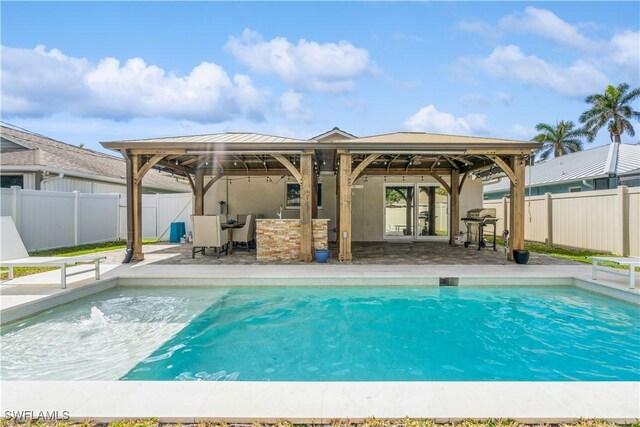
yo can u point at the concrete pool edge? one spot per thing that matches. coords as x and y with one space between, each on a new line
298 402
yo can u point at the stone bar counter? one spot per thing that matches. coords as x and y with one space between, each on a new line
279 239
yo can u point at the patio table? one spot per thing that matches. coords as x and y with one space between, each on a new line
230 227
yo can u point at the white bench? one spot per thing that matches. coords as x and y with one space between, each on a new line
632 262
14 254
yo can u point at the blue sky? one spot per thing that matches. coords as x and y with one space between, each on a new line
90 72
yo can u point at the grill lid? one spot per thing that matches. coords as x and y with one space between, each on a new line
482 213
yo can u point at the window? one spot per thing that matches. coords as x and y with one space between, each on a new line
575 189
9 181
292 196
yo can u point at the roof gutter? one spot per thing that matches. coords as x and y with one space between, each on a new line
66 172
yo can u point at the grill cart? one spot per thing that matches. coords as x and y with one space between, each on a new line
475 221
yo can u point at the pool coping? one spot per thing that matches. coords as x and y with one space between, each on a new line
321 402
527 402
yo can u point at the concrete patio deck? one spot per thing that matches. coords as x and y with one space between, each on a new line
373 253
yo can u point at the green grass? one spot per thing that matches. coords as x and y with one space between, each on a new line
577 255
68 251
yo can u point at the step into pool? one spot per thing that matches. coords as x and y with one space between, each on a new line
330 333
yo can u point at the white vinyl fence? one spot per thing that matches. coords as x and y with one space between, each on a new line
52 219
603 220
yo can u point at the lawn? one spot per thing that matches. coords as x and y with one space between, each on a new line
577 255
67 251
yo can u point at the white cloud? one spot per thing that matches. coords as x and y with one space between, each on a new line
429 119
625 48
327 67
39 82
474 100
479 27
504 97
290 104
523 132
547 24
509 62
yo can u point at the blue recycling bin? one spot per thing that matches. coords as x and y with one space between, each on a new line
177 231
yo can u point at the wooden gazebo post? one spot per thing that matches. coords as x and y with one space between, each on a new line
199 192
134 205
454 213
517 194
344 207
306 207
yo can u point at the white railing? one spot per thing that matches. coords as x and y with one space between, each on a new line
603 220
51 219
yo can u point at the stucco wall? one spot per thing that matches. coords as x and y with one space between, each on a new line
265 197
262 197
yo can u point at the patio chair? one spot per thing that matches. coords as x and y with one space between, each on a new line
13 253
208 233
244 235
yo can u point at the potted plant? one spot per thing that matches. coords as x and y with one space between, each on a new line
521 256
322 255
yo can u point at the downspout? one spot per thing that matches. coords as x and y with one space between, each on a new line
587 184
129 253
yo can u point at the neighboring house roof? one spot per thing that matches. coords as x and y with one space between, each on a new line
219 138
29 150
598 162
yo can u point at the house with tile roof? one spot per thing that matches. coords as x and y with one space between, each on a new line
36 162
598 168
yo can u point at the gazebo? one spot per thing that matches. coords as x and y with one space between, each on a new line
448 159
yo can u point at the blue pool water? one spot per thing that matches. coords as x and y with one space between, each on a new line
403 334
330 334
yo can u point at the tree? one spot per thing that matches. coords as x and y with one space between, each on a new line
563 138
612 109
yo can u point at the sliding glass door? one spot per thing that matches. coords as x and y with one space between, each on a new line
399 212
415 211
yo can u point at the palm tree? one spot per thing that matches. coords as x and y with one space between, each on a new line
613 109
563 138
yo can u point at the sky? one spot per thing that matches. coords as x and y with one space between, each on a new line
85 72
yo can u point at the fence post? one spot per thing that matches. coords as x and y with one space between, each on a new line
76 224
549 211
15 208
623 219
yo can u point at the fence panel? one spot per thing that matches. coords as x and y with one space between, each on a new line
97 218
604 220
46 219
6 202
173 208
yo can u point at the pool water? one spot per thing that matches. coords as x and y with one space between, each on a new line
338 334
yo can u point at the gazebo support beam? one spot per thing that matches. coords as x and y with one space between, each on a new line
134 205
454 213
306 207
199 192
362 166
344 209
517 194
214 179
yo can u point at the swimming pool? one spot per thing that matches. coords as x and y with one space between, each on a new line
288 333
